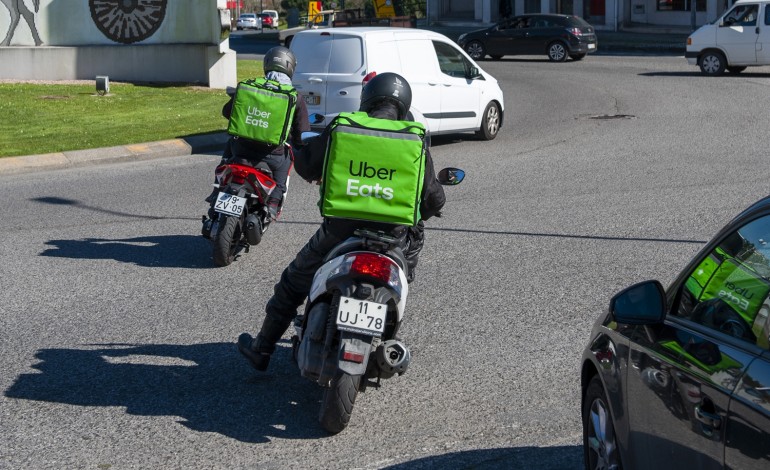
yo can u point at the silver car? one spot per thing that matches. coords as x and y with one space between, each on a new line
248 21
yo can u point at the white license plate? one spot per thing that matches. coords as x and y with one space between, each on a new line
361 316
312 100
229 204
592 46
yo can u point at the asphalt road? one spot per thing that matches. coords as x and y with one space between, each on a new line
116 331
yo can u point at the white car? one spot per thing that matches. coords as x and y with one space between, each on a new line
248 21
450 92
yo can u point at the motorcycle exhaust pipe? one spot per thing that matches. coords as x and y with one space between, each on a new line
253 229
393 358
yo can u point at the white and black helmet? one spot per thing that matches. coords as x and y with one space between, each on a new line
280 59
390 87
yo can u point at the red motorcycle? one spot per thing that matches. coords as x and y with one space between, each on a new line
238 216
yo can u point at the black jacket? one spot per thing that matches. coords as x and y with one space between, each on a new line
308 163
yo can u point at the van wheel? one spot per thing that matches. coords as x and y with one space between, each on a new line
712 63
476 50
490 122
736 70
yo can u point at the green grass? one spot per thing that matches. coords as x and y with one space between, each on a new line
40 119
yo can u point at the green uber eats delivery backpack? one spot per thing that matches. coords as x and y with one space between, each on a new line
373 170
263 111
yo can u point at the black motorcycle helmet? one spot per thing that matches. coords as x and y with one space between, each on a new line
280 59
390 87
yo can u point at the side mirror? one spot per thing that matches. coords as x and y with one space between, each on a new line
451 176
473 72
727 22
640 304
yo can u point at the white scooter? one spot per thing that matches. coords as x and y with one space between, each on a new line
348 334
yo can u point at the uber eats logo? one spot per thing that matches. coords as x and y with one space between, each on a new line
257 117
364 170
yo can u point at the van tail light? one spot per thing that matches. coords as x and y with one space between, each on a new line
575 31
368 77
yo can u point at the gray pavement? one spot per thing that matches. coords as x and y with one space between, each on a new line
635 39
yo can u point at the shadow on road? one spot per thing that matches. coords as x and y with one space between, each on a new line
208 386
60 201
162 251
542 458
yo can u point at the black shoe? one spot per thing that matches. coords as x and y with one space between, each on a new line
247 346
272 207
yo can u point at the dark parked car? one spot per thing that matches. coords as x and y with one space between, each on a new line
680 378
557 36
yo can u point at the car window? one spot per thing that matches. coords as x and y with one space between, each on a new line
312 52
347 54
451 61
743 15
728 290
767 15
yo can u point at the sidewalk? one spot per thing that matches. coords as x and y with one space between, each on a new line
635 39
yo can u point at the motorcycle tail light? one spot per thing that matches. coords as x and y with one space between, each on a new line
372 265
239 175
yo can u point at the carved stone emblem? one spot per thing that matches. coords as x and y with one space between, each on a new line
128 21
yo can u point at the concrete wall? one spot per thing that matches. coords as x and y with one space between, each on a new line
127 40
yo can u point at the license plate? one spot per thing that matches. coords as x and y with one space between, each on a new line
361 316
229 204
312 100
592 46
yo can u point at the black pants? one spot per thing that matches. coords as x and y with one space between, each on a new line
294 286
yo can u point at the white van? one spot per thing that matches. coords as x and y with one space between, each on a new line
450 92
738 39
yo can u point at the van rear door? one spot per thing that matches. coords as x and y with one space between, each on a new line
312 52
330 67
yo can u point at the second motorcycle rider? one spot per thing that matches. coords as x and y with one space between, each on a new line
279 64
386 96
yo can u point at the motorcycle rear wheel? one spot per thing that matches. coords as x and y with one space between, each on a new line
226 240
338 401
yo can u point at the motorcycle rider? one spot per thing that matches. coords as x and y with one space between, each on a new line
386 96
279 64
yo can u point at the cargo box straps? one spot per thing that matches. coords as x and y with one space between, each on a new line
263 111
374 170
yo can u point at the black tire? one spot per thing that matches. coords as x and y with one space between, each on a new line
226 240
557 51
490 122
735 69
476 50
600 444
496 57
338 401
712 63
577 56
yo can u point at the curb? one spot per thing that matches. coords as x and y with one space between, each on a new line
122 153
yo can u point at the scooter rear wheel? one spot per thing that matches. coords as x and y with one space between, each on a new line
338 402
226 240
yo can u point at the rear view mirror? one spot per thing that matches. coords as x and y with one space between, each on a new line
316 118
640 304
473 73
451 176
